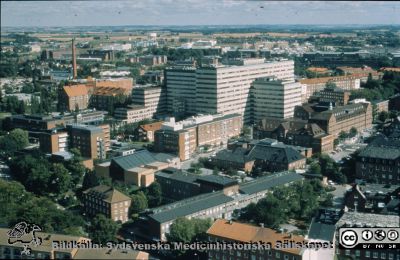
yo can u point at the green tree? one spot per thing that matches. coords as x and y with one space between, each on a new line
35 105
315 168
16 140
195 168
75 166
328 201
330 85
90 180
12 195
60 179
21 107
103 230
38 180
383 116
270 212
154 194
11 104
138 204
353 132
27 88
182 230
330 168
200 228
336 142
308 200
231 172
40 176
20 138
343 135
44 212
246 130
215 170
186 230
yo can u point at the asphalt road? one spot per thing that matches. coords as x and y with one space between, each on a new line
338 195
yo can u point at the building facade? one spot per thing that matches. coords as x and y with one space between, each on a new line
92 141
74 97
343 118
337 96
149 60
226 89
380 161
266 155
182 138
39 123
107 201
312 86
214 205
229 231
373 198
220 89
274 98
295 132
136 168
105 97
148 102
53 141
145 133
181 89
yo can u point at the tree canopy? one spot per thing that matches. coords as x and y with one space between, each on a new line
139 203
16 140
40 176
186 230
154 194
299 201
25 206
103 230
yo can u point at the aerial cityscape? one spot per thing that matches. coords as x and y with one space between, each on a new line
189 129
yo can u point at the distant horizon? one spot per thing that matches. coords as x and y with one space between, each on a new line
204 25
178 13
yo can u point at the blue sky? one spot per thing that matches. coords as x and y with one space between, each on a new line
196 12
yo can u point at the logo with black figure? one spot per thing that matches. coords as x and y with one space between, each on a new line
380 234
25 234
349 238
367 235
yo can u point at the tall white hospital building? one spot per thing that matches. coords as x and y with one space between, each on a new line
275 98
221 89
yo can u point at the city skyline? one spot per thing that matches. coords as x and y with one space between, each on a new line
196 12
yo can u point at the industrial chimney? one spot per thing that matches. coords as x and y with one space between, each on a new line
74 71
